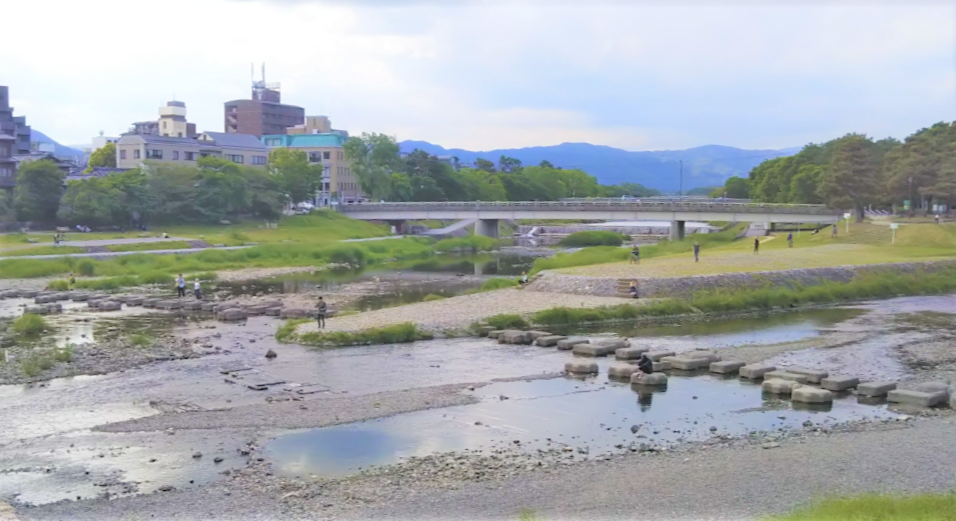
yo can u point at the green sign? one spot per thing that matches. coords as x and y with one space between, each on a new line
906 204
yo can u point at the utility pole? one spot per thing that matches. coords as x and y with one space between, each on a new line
680 194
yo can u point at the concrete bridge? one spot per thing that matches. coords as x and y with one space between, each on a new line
677 212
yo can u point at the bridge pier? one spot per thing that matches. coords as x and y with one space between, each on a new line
487 227
677 230
399 226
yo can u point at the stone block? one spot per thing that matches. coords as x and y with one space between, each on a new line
569 343
629 353
839 383
779 386
933 387
11 293
756 371
621 370
209 306
151 302
660 366
538 334
784 375
484 330
549 340
80 297
657 355
109 305
649 380
54 307
170 304
193 305
44 299
874 389
28 293
514 336
668 359
814 376
233 314
495 333
689 364
919 398
593 349
135 301
37 310
613 343
274 311
726 367
581 367
65 295
807 394
710 356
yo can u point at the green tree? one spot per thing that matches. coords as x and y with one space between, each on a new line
509 164
91 202
545 164
291 169
479 185
401 186
853 177
803 186
734 188
38 191
103 156
6 206
484 164
374 157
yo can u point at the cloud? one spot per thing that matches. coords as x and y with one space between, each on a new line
492 74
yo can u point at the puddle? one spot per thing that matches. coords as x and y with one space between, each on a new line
764 329
594 414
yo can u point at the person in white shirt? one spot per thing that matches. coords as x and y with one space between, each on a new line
196 290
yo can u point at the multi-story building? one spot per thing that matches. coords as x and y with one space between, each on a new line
171 123
263 114
132 150
14 140
339 183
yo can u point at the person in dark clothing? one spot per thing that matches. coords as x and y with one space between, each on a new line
645 364
320 311
790 240
756 245
696 251
633 289
635 255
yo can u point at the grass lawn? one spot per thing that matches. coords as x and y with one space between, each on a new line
147 246
874 507
865 244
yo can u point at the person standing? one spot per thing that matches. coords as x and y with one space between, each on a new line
181 286
635 254
70 281
320 310
790 240
696 251
756 245
196 290
833 234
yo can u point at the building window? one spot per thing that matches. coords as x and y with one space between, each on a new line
180 134
259 160
315 157
273 142
136 154
122 154
327 155
189 156
154 154
235 158
175 154
164 124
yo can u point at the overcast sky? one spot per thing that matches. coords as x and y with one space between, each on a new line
483 75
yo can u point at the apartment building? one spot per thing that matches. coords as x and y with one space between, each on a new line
264 114
14 140
339 183
132 150
171 123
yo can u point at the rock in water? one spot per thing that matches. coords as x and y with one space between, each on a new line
271 354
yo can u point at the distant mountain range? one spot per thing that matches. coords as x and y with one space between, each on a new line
61 150
708 165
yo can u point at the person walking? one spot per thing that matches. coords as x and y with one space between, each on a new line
696 251
320 310
833 233
635 255
790 240
181 286
70 281
196 290
756 245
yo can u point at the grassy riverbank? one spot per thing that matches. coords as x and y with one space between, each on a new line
392 334
877 507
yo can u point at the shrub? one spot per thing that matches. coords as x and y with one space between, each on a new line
86 268
287 330
141 340
29 324
394 334
64 354
497 283
507 321
36 364
351 255
58 285
595 238
432 296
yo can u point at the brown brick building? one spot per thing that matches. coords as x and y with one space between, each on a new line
263 114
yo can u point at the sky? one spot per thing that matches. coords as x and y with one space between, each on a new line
482 75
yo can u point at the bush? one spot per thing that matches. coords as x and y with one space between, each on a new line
58 285
86 268
63 355
29 324
507 321
394 334
36 364
432 296
595 238
497 283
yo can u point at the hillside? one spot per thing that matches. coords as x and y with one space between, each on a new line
708 165
61 150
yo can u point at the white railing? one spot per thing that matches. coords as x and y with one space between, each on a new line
595 205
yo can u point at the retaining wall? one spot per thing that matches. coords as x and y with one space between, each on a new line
687 286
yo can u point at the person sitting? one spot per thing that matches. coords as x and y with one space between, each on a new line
645 364
632 289
524 278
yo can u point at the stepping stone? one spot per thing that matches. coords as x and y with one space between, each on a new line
80 297
807 394
726 367
28 293
839 383
37 310
151 302
660 366
710 356
264 385
593 350
193 305
629 353
784 375
917 397
495 333
756 371
814 376
134 301
61 296
54 307
484 330
615 343
238 369
274 311
514 336
296 313
657 355
569 343
44 299
208 306
581 367
538 334
779 386
933 387
621 370
109 305
549 341
231 315
312 389
649 380
169 304
874 389
689 364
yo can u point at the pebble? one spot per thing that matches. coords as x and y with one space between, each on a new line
197 455
217 459
771 445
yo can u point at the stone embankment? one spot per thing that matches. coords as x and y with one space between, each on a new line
550 282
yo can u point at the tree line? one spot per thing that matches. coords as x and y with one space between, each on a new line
854 171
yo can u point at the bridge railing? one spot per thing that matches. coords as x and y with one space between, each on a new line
595 205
